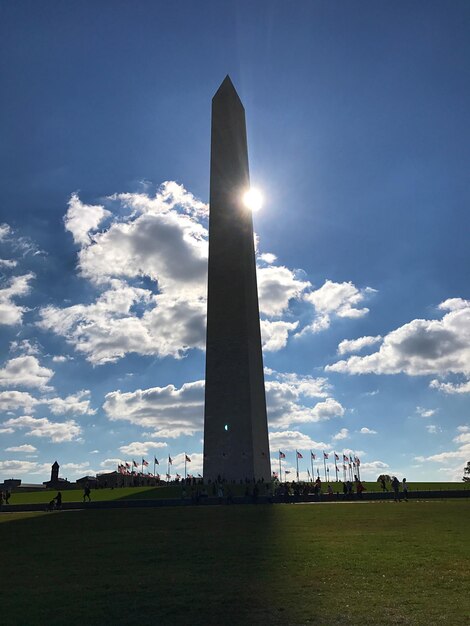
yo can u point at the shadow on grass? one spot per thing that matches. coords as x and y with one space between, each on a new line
194 565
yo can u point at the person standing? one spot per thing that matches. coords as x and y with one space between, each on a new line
396 489
58 500
86 493
405 490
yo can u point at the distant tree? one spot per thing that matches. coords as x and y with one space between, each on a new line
466 473
386 477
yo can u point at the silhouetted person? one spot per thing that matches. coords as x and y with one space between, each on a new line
396 489
383 484
359 489
86 493
7 496
58 500
404 487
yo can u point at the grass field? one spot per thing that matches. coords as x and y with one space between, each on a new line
174 491
374 564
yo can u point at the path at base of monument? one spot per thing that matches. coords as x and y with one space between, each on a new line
380 564
174 491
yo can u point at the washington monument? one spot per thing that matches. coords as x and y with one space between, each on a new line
236 445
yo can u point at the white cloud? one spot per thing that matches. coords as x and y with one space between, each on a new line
268 257
25 346
449 387
339 299
274 335
8 263
168 410
14 467
76 404
57 432
277 285
287 440
25 371
76 469
60 358
433 429
13 400
367 431
464 437
462 454
141 448
463 429
24 448
342 434
422 412
18 286
356 345
5 230
192 468
6 431
421 347
81 219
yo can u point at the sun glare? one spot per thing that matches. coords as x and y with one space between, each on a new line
253 199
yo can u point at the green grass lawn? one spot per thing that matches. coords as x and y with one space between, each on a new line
174 491
371 564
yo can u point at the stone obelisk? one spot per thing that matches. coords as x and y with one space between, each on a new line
236 445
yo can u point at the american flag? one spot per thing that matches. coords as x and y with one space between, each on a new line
134 463
299 456
155 460
144 462
282 455
170 461
186 457
314 456
325 455
336 457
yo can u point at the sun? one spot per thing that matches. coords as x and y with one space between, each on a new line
253 199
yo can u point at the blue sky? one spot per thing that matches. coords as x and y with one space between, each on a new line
357 119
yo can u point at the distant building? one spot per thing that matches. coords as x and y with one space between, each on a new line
55 482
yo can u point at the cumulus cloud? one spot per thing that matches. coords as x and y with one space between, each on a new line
336 299
18 286
81 219
25 346
367 431
25 371
14 467
274 335
356 345
8 263
462 453
24 448
342 434
450 388
168 410
286 440
463 438
141 448
57 432
421 347
433 429
13 400
76 404
422 412
277 285
5 230
267 257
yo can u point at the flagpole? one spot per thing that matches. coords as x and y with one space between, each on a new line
311 463
324 465
185 466
297 459
280 467
336 470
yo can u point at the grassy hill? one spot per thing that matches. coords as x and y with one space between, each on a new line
349 564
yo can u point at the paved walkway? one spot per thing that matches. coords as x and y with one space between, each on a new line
323 499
